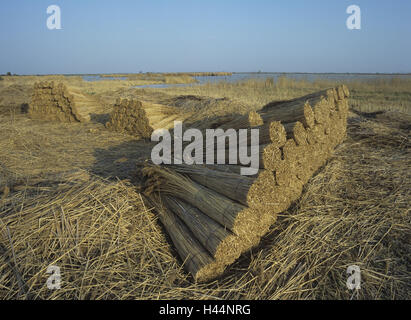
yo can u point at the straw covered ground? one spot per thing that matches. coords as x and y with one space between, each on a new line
67 199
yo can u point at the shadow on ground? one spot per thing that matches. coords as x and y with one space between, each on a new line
120 161
100 118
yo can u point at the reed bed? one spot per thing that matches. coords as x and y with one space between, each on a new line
383 93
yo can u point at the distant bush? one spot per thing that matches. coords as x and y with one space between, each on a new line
8 74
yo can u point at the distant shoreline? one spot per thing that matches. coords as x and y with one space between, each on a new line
332 73
242 72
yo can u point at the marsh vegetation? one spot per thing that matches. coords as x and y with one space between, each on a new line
68 198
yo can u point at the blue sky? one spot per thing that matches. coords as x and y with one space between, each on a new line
101 36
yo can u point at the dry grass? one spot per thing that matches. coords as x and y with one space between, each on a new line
366 95
64 205
387 93
156 78
33 149
106 243
18 88
109 246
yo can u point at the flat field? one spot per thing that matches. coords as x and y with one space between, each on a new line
67 198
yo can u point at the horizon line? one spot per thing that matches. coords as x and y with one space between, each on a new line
233 72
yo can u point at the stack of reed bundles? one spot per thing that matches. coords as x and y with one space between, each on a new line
55 101
140 118
213 213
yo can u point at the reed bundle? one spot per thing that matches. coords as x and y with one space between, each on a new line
210 113
252 119
227 213
203 104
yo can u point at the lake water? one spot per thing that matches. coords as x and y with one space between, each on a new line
296 76
245 76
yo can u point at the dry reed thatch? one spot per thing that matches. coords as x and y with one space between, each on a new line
247 206
202 103
252 119
14 97
208 112
56 101
110 246
140 118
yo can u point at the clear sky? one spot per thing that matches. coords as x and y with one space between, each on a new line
101 36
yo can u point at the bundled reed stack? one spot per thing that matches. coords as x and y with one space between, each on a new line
202 103
51 101
140 118
208 112
213 213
